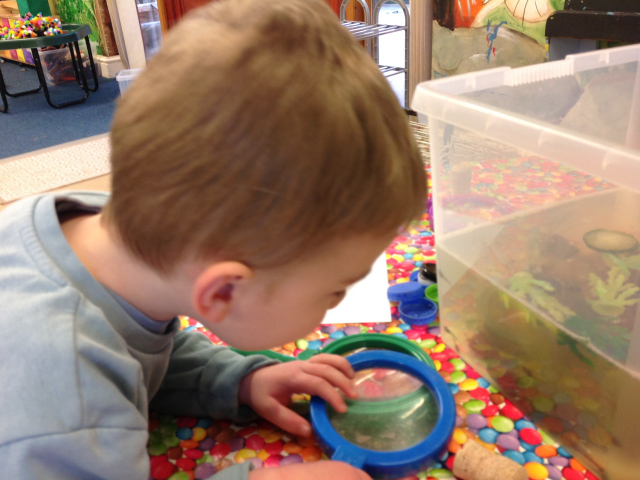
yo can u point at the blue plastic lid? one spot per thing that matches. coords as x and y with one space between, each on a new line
414 276
404 292
384 464
418 312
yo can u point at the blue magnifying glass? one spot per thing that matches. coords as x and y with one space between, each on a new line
401 422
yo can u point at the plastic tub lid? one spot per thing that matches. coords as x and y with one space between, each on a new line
401 421
403 292
418 312
125 75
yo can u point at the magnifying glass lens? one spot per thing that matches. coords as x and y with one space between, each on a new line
393 411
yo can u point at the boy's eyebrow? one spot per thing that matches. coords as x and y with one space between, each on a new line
358 278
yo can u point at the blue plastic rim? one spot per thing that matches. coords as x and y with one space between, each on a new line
405 292
418 312
400 463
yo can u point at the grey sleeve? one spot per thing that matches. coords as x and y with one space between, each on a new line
203 380
235 472
92 454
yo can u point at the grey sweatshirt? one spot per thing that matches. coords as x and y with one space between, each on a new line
78 372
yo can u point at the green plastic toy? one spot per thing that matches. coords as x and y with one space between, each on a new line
354 343
431 293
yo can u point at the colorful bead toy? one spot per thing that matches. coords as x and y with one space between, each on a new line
32 27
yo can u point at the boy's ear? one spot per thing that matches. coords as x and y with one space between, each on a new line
214 288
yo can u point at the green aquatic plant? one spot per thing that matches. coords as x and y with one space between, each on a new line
612 296
611 339
631 262
619 262
565 340
538 293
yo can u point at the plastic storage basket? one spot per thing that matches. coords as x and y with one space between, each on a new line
125 77
536 196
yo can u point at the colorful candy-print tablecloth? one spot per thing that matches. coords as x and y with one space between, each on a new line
183 448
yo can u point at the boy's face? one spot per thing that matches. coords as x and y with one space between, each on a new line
283 304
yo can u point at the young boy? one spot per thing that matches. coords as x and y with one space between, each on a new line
260 164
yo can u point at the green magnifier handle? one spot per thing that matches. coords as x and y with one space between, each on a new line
350 343
307 354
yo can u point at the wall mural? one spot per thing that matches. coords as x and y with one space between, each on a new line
471 35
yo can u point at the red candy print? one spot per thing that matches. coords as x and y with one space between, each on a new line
220 450
157 460
571 474
480 393
490 410
193 453
510 411
273 461
255 442
244 432
447 367
471 373
185 464
272 448
441 356
188 422
449 462
163 471
450 353
531 436
413 334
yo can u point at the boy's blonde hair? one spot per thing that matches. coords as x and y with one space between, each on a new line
260 129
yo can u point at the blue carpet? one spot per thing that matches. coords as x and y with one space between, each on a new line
32 124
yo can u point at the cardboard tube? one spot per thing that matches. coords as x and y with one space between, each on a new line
474 462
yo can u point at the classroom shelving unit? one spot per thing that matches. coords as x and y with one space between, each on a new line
370 30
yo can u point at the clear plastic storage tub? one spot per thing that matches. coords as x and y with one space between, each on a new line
536 178
125 77
58 67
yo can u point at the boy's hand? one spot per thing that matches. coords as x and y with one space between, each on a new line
268 390
310 471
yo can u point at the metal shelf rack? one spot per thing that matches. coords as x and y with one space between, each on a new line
370 30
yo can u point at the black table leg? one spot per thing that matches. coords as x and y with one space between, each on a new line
76 72
43 81
93 66
19 94
3 94
75 51
78 64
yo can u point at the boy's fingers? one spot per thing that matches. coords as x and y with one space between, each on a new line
315 385
331 375
288 420
335 361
